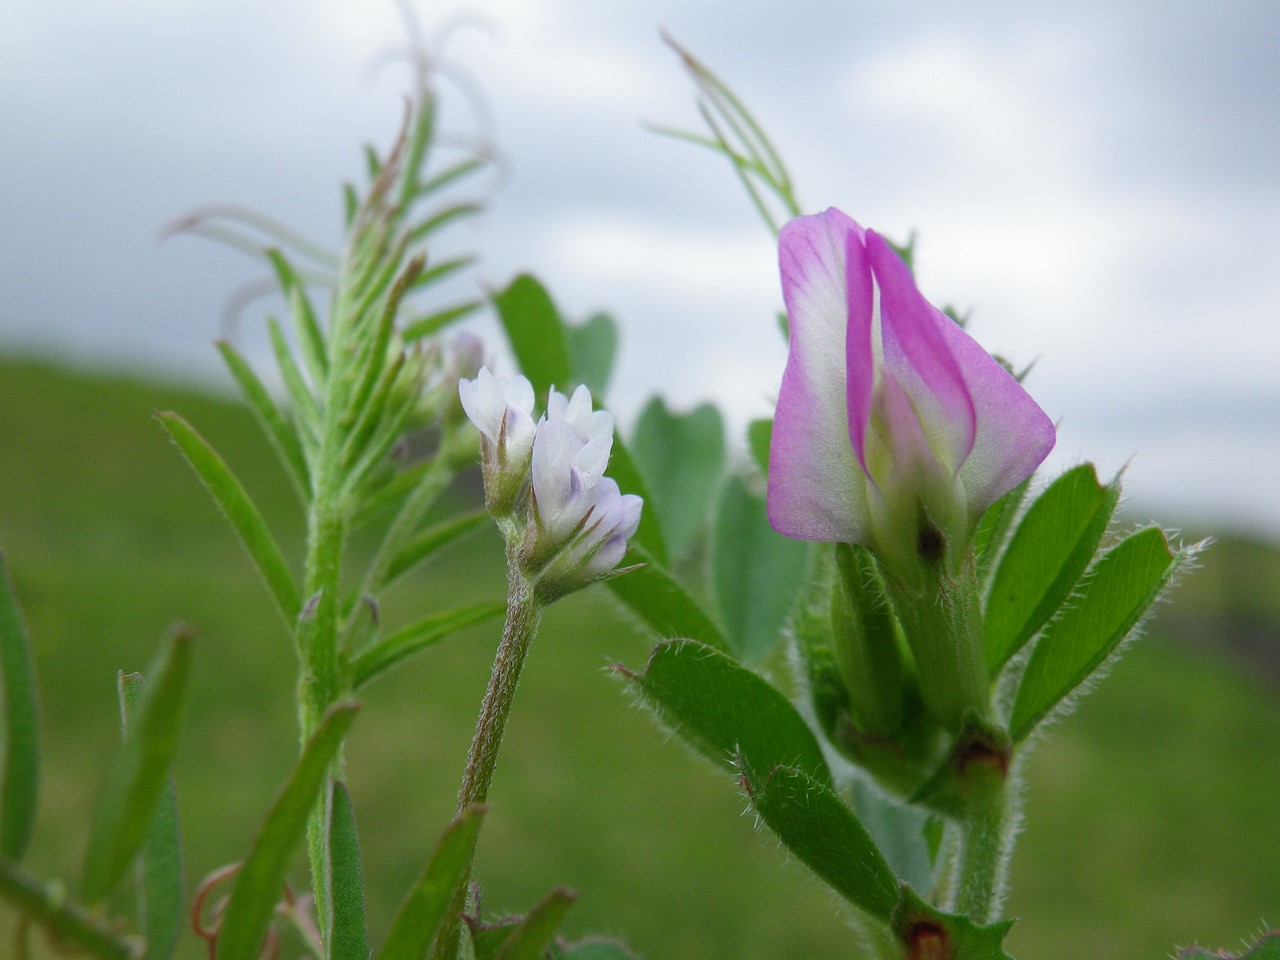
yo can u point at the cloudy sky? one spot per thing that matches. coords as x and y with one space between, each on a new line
1099 182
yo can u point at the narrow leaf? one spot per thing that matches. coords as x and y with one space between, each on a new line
423 909
440 220
349 939
682 456
537 334
239 509
529 939
1049 551
653 594
273 423
305 325
303 402
758 573
448 176
726 711
441 270
260 880
592 348
386 653
138 774
1118 591
431 540
820 829
160 899
21 726
993 528
435 322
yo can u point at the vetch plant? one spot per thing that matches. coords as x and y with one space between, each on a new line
938 605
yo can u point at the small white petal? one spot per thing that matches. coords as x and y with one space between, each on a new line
592 459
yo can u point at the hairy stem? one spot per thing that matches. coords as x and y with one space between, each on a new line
523 615
983 859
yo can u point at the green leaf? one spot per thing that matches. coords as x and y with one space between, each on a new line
592 348
1119 589
428 541
438 221
537 334
261 878
304 407
726 711
21 726
278 430
386 653
682 455
926 931
823 833
623 469
348 938
759 438
652 594
139 772
239 509
1267 948
307 328
758 573
448 176
423 908
1049 551
530 936
160 901
435 322
993 528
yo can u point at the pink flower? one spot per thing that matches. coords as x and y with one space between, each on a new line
894 428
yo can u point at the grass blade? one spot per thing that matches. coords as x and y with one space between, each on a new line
137 778
258 885
21 726
422 910
239 509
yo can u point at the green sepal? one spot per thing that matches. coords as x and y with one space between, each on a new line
758 574
927 933
20 789
159 880
726 711
1045 558
682 456
423 909
1116 594
136 780
261 878
824 834
234 502
972 774
655 596
348 937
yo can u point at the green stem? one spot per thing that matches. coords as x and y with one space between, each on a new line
46 903
523 615
983 859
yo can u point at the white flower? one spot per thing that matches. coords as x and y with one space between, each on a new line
502 409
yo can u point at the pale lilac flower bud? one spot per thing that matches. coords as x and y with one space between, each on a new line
502 409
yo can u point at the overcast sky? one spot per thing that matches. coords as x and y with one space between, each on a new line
1098 181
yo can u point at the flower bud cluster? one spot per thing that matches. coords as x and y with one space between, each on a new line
572 522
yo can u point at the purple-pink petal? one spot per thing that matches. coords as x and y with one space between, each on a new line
816 491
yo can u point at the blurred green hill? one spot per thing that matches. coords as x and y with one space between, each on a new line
1154 811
